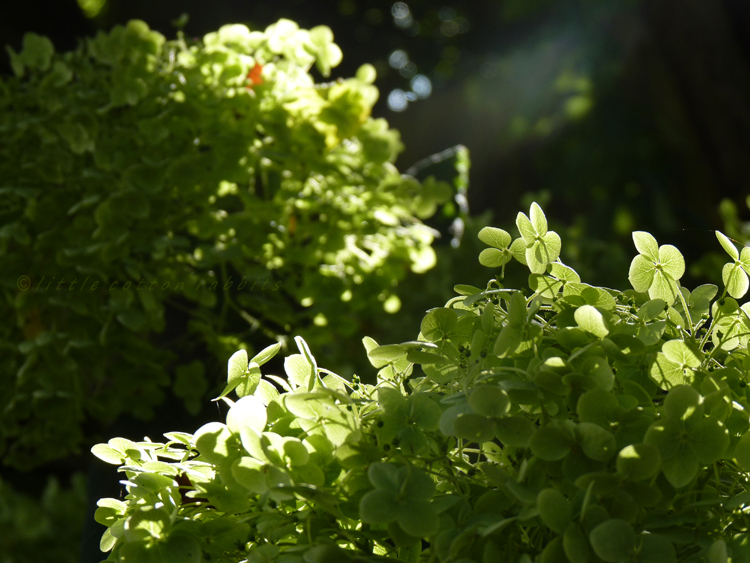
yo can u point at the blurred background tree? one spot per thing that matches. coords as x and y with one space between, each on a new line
616 116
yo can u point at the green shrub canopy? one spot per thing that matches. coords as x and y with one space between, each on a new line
563 423
212 178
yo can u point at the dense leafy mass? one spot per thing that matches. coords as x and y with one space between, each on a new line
568 423
211 182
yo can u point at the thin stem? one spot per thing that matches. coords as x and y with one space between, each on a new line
686 311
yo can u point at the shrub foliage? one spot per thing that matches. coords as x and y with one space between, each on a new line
209 181
556 423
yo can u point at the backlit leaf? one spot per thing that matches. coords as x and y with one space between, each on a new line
728 245
672 262
592 321
497 238
641 274
538 220
646 244
735 279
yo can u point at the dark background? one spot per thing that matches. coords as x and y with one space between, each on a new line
616 116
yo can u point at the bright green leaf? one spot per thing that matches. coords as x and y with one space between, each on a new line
735 279
641 274
679 352
728 245
672 262
526 228
495 237
646 244
591 320
489 400
550 444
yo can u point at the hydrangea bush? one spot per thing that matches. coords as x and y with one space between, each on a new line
212 187
558 422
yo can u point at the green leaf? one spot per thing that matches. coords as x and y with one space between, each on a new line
249 413
108 454
474 427
213 441
526 228
646 244
266 354
679 352
494 237
311 406
250 473
388 353
728 245
538 220
249 382
438 323
543 252
418 519
672 262
384 476
489 400
591 320
600 372
564 273
600 407
37 52
638 462
554 510
180 547
420 357
370 345
300 371
554 552
651 310
665 435
641 274
514 431
518 250
735 279
717 553
237 365
663 287
494 258
545 286
576 545
613 540
667 374
683 402
550 444
466 289
656 549
703 294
